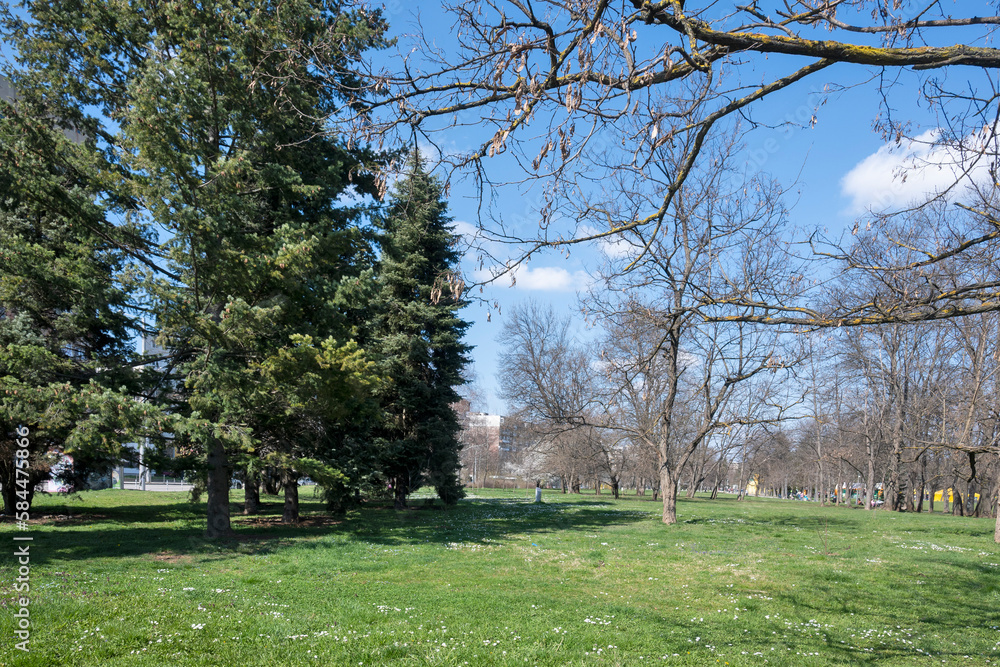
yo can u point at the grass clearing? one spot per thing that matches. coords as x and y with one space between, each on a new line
125 578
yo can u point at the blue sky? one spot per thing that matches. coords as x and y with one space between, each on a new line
836 167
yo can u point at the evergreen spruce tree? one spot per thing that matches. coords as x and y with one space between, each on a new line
420 335
65 299
211 133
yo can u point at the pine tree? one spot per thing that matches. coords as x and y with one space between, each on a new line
65 297
212 132
420 335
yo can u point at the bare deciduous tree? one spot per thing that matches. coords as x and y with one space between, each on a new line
544 373
718 235
577 92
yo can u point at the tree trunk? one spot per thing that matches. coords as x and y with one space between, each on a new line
996 529
251 493
890 488
219 481
870 482
562 483
978 510
699 483
923 483
614 487
820 495
10 497
692 482
290 512
988 497
669 486
901 492
399 494
739 480
271 487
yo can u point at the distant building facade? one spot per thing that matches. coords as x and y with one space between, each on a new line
8 94
480 437
479 429
6 90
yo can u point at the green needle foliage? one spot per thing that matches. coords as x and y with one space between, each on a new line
420 334
66 291
210 119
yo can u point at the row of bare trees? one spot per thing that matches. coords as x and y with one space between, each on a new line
663 396
914 409
893 413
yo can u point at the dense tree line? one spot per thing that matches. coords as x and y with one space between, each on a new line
308 328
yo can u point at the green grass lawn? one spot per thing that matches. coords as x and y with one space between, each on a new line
125 578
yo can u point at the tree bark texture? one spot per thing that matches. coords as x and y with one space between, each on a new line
290 511
219 481
669 486
251 494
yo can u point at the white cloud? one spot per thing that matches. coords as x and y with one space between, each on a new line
474 241
542 278
436 153
613 247
465 229
914 171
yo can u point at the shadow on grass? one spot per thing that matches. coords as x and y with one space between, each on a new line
484 521
814 523
97 533
63 511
